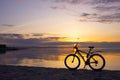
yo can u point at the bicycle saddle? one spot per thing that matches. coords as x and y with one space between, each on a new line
91 46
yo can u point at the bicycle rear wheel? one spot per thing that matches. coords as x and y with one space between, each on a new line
96 62
72 61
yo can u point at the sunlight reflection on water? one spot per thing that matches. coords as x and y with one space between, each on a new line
53 57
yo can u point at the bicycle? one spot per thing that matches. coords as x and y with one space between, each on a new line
93 59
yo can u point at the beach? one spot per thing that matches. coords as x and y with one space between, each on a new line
10 72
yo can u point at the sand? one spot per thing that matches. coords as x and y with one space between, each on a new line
8 72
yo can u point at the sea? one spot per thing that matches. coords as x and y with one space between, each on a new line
53 57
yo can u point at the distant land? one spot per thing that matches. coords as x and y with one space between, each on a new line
109 46
71 44
64 44
4 48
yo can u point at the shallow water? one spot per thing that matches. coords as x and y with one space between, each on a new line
54 57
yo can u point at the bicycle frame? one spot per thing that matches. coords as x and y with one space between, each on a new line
77 51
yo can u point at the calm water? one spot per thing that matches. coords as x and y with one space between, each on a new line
54 57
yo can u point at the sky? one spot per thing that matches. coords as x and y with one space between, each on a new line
40 21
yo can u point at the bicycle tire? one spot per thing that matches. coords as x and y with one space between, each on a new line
98 57
73 64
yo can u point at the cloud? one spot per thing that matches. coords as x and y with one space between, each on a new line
31 40
11 36
115 17
58 7
7 25
68 1
94 10
88 16
110 18
76 2
55 39
87 1
107 8
106 1
37 34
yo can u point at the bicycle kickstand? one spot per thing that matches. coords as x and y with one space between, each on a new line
85 66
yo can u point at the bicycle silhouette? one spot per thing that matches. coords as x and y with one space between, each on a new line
94 60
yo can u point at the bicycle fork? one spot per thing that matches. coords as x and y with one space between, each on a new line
73 58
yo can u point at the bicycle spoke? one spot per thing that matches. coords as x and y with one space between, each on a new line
96 62
72 61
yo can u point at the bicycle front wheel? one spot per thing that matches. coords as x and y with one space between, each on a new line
96 62
72 62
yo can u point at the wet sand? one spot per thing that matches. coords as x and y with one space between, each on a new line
40 73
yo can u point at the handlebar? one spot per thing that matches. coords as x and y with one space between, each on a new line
76 46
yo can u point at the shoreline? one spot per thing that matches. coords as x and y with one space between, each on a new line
10 72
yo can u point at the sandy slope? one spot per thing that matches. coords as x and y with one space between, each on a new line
38 73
